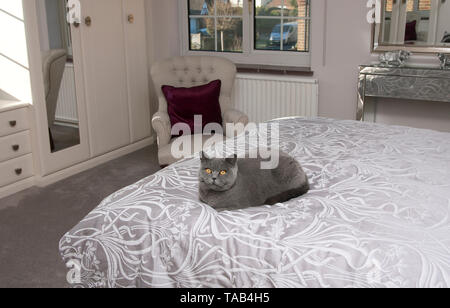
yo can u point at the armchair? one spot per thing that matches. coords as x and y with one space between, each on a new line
191 71
53 66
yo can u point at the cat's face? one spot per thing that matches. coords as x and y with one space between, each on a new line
218 174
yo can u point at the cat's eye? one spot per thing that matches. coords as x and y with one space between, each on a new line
209 171
223 172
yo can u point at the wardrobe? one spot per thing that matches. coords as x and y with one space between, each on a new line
115 70
110 68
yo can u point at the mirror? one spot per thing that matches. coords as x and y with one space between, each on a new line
416 25
58 74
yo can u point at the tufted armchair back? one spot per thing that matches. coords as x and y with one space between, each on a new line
54 64
194 71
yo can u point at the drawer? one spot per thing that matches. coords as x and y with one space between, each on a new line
16 170
16 145
14 121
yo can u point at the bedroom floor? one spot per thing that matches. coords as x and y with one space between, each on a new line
29 254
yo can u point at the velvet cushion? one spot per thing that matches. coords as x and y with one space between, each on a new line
411 33
184 103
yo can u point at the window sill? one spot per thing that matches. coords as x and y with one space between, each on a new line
275 70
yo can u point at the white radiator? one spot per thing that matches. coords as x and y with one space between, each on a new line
67 108
267 97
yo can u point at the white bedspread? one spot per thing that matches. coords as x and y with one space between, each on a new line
377 216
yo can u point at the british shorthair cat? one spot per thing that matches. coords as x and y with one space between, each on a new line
233 184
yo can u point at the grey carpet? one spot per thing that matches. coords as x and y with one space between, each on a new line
33 221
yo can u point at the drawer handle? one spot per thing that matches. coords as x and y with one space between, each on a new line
12 123
16 148
19 171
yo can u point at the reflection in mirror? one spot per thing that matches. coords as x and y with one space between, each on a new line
443 28
59 75
415 23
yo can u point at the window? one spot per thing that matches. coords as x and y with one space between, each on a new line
273 32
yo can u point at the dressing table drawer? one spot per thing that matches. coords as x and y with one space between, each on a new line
16 170
16 145
14 121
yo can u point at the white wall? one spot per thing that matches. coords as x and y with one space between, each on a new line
340 43
42 23
162 35
430 115
14 72
163 29
53 24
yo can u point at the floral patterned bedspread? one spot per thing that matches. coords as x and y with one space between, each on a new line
377 216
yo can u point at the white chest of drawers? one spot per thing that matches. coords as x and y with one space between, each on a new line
16 158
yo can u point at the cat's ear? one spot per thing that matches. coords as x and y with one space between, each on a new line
232 159
203 156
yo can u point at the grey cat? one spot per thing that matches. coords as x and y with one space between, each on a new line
232 183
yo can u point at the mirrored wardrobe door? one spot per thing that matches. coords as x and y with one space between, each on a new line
64 120
58 71
443 23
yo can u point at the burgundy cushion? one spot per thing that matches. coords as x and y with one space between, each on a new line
411 33
184 103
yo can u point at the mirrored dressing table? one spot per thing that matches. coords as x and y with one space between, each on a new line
409 83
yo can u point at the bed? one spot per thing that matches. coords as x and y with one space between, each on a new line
377 216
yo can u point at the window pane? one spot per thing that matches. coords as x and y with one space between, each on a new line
296 8
202 34
268 34
425 5
268 7
296 35
389 5
410 6
230 7
201 7
229 34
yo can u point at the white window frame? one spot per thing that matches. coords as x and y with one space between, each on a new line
250 55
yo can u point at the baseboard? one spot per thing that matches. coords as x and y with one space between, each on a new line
66 123
63 174
16 187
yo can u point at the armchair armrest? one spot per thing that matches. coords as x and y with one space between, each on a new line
163 128
235 117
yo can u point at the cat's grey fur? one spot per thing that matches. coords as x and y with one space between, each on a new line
247 185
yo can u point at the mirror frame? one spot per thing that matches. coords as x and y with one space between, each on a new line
50 164
379 48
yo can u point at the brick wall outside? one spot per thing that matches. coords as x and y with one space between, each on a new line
424 5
